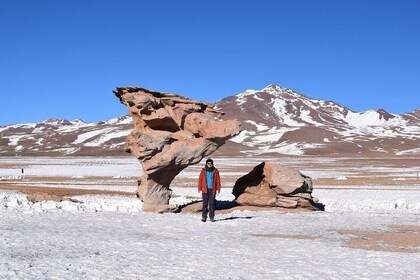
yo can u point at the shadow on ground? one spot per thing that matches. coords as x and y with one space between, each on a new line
234 218
195 206
320 206
226 206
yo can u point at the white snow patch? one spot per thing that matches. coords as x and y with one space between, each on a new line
257 97
260 127
287 148
241 98
305 116
400 179
5 178
369 201
13 140
10 200
405 152
88 135
279 107
244 134
121 120
72 166
108 136
367 118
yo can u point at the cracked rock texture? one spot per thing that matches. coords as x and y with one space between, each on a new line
170 133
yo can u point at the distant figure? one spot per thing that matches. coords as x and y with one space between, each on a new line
22 170
209 185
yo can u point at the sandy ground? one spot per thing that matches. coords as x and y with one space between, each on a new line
61 191
399 238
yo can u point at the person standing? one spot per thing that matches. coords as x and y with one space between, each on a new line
209 185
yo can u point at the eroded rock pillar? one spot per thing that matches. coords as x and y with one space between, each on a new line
170 133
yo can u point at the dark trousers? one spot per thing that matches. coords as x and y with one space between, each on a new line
209 203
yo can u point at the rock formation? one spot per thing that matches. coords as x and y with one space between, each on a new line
170 133
272 185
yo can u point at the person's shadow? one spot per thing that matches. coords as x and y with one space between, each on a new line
234 218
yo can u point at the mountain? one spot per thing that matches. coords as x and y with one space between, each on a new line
280 120
62 137
275 120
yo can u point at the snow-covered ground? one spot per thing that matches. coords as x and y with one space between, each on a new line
370 201
354 200
70 166
114 245
109 237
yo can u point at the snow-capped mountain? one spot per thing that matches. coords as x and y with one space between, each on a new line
275 120
280 120
63 137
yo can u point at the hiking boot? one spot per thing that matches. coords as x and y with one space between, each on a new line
212 220
203 219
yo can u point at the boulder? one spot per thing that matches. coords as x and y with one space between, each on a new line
273 185
170 133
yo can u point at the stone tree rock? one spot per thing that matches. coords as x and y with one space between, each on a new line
272 185
170 133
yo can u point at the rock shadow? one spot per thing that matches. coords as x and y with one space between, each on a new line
225 204
320 206
195 206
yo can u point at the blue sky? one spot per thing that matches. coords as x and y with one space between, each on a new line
62 59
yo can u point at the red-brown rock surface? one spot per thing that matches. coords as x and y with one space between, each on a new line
272 185
170 133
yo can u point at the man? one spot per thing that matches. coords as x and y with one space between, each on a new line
209 185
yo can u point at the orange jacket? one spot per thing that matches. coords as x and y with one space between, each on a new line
202 181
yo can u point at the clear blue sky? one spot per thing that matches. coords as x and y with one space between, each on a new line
62 59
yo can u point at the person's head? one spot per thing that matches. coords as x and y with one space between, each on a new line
209 163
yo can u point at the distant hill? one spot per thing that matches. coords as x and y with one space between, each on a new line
275 120
62 137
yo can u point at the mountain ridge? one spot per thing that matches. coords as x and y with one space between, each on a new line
301 125
276 120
